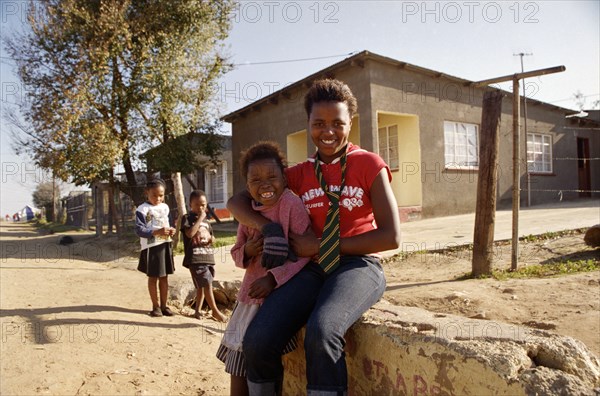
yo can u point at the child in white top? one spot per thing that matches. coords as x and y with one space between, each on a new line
156 256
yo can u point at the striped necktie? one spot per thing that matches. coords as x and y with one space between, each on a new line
329 249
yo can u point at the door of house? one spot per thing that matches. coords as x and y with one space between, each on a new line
583 165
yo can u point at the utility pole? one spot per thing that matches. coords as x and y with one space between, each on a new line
487 181
54 217
516 149
527 172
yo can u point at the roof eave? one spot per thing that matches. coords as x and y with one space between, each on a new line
358 60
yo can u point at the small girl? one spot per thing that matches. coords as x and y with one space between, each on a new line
263 166
156 257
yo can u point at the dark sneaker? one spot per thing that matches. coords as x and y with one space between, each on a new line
167 311
156 312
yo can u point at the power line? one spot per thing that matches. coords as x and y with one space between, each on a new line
292 60
3 58
573 98
12 103
7 60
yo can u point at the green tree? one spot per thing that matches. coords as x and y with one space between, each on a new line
44 196
109 79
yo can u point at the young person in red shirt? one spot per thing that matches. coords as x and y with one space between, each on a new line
327 302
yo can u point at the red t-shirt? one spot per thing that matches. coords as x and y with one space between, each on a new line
356 210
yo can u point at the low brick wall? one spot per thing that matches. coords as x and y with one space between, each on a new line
396 350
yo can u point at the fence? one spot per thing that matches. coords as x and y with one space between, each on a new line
91 209
78 208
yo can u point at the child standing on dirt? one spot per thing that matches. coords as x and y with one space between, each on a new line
198 240
156 256
263 166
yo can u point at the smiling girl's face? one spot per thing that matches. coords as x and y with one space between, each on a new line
329 125
156 195
265 181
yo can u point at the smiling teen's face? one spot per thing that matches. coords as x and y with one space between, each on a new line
265 181
156 195
329 124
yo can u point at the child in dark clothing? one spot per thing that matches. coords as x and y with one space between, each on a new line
199 257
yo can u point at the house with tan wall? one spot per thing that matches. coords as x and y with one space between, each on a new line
426 125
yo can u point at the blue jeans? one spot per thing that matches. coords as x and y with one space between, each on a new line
328 305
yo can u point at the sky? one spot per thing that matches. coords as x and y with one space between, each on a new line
275 43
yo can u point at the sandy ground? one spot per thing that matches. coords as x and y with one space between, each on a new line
74 319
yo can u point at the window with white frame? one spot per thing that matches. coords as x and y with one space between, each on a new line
388 145
461 145
539 153
215 182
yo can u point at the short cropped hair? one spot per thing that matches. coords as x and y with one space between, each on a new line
197 194
330 90
262 150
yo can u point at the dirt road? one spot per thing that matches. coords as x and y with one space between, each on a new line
74 319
